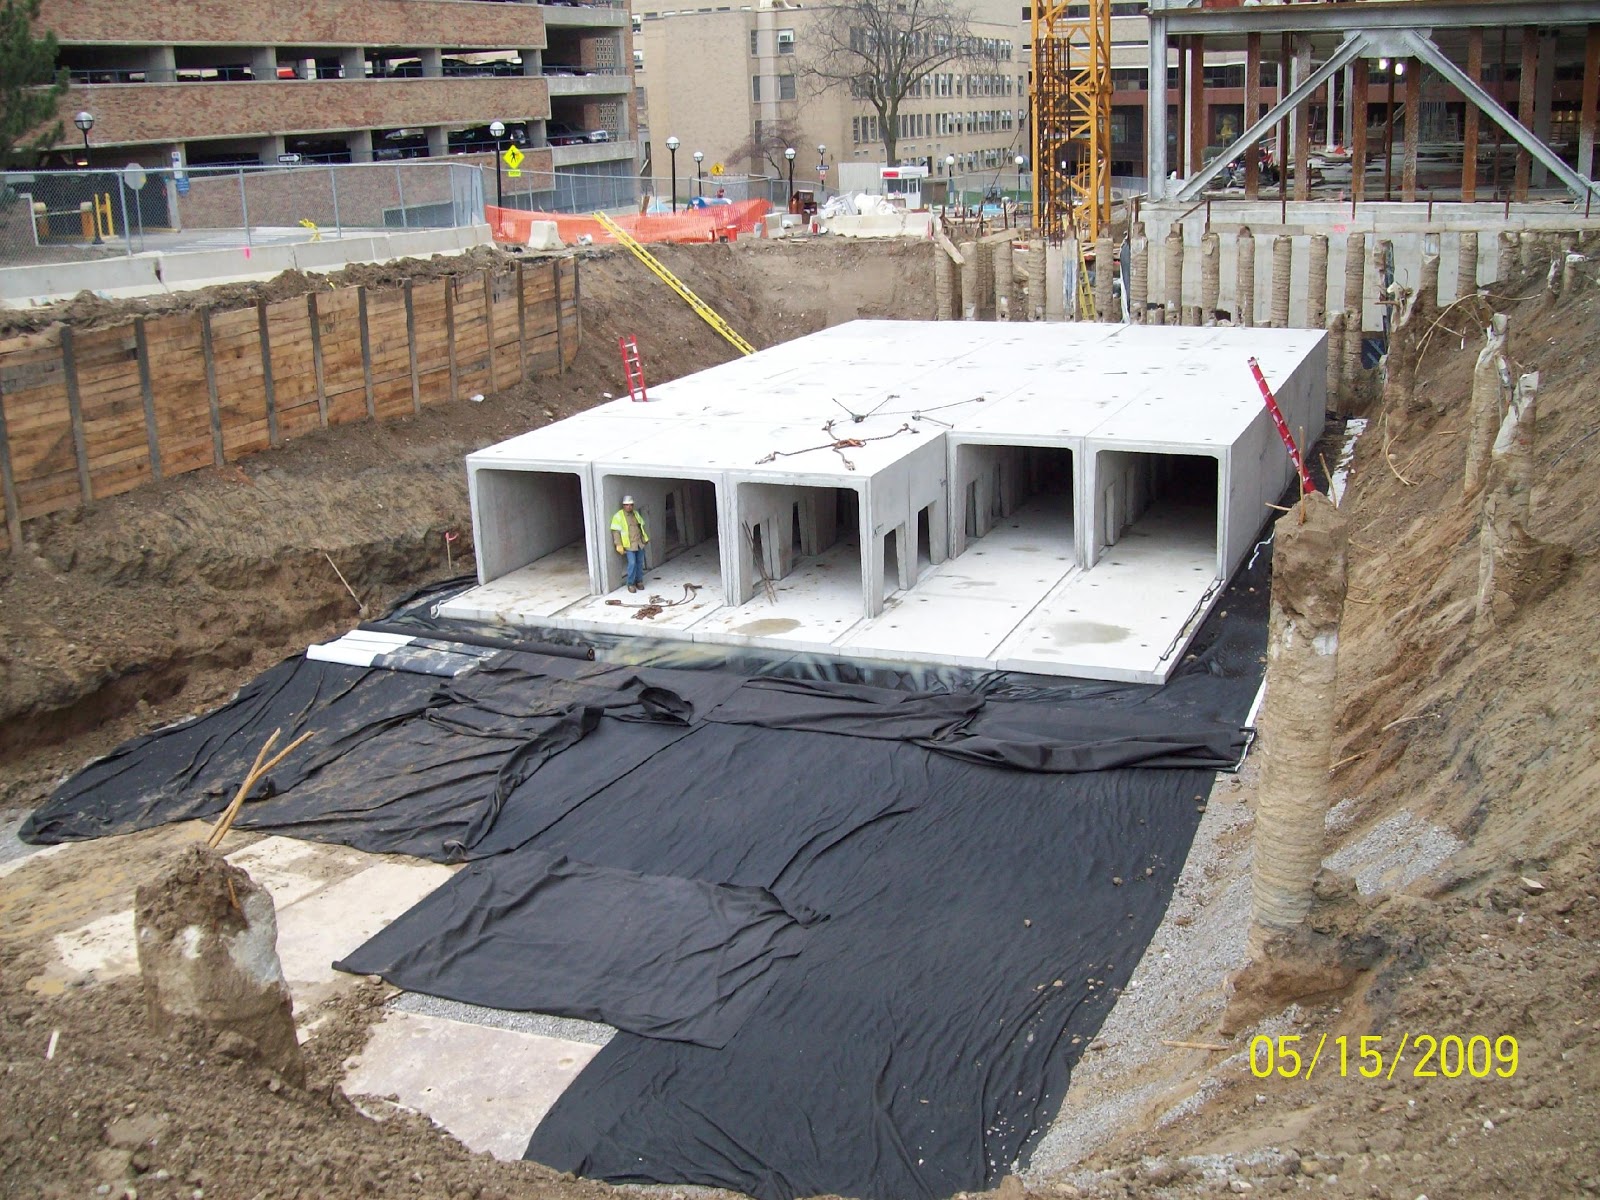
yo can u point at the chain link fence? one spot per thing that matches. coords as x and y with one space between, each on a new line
579 191
62 216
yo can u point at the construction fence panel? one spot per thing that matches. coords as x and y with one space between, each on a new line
87 414
65 216
717 222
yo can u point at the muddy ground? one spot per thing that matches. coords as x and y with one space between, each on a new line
159 603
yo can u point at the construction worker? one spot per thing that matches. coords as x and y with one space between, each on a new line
629 537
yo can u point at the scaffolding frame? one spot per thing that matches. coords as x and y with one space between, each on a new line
1071 119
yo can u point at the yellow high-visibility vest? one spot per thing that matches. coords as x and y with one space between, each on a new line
619 526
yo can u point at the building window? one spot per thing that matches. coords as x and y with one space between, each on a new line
755 88
754 42
785 87
638 60
785 41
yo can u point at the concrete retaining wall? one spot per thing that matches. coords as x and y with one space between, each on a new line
151 274
1403 224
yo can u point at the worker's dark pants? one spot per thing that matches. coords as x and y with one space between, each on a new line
635 566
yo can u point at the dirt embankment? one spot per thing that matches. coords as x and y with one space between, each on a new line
160 602
1487 746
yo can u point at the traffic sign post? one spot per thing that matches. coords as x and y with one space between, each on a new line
513 157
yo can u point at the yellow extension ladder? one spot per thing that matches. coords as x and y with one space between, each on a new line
705 311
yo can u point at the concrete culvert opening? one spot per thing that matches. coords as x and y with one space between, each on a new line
1029 488
807 536
526 516
1167 503
680 519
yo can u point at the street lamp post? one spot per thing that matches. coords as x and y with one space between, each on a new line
789 154
822 164
85 122
497 130
1019 160
672 149
699 157
949 177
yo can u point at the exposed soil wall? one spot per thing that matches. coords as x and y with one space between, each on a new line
146 606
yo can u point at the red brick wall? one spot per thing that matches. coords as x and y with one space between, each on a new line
457 24
176 112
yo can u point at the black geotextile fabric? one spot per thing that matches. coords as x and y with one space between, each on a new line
660 956
463 768
868 917
975 937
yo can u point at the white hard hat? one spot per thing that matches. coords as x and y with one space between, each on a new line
627 499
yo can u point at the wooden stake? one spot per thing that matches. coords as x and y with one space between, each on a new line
257 770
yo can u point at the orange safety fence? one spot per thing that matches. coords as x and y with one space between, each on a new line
714 223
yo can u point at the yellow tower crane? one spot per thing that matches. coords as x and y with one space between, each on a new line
1072 117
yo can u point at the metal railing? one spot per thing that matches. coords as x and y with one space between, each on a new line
63 216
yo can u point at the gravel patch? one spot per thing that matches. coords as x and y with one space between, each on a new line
1394 853
568 1028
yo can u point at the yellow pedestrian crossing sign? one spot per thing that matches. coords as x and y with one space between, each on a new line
513 157
716 168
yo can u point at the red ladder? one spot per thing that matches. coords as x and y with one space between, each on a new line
631 366
1306 484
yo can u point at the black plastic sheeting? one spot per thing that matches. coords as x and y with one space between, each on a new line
661 956
855 923
479 764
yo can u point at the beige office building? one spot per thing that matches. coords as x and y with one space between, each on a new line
716 77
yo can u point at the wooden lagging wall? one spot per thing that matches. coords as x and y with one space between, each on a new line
86 414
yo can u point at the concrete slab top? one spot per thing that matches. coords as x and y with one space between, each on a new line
1018 382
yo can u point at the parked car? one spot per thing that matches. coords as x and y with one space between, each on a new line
558 134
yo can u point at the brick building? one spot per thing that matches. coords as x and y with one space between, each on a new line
714 75
201 82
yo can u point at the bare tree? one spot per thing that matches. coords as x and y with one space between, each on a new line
882 50
768 144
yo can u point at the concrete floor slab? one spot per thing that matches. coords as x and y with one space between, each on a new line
1130 617
313 933
329 900
615 610
531 593
810 608
489 1087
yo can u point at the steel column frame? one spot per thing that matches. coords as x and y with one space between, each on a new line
1424 49
1360 45
1348 52
1341 18
1155 111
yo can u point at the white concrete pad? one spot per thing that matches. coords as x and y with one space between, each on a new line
329 900
333 921
1130 617
666 585
104 948
488 1087
811 608
540 589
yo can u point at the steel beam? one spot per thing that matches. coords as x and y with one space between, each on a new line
1155 112
1424 49
1352 18
1349 52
